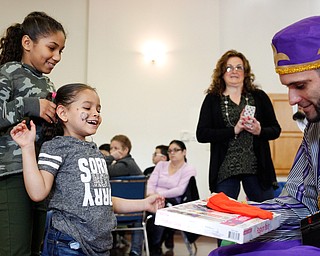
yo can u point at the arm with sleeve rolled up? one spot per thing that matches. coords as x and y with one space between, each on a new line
15 104
14 108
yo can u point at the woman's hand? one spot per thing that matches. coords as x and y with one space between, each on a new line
22 135
239 127
247 123
252 125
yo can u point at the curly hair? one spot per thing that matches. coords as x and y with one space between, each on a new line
218 85
36 25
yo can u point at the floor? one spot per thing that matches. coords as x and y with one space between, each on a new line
204 246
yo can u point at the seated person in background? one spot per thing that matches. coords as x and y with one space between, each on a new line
169 179
105 149
160 154
120 162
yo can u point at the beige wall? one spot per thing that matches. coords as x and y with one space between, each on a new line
152 104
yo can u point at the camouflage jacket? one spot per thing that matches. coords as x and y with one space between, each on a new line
21 86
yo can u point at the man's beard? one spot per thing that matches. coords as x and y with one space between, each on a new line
317 117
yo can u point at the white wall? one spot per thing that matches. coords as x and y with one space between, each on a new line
249 26
153 104
73 16
149 103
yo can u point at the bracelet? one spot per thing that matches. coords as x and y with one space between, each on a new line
235 136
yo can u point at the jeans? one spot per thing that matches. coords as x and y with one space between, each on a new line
251 186
61 244
137 240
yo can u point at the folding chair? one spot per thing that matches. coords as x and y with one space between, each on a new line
130 187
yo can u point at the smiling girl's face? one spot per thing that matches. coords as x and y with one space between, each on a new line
44 53
82 117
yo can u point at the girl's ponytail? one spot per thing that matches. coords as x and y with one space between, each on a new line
10 44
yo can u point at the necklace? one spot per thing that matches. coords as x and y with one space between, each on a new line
226 107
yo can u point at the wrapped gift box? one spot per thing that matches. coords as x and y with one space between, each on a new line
196 217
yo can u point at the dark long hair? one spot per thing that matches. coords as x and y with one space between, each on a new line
36 25
181 145
65 96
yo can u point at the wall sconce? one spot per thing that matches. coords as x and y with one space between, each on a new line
154 52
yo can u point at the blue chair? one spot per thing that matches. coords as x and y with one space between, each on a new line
130 187
278 191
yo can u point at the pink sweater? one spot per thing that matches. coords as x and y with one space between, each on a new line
162 183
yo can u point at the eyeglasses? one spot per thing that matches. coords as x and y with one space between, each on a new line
175 150
230 68
157 154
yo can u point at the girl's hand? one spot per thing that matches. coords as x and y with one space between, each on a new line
22 135
48 110
154 202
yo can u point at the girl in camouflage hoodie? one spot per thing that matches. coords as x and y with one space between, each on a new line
27 51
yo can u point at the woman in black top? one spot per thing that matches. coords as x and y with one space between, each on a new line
240 149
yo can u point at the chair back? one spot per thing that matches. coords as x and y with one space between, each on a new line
129 187
191 193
